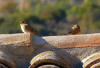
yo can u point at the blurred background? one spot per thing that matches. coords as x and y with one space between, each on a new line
50 17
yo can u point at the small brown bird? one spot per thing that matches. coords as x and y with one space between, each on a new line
26 28
75 30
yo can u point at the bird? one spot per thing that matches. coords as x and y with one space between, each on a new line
75 30
26 28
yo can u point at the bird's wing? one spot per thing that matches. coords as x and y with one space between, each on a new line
33 31
70 32
73 32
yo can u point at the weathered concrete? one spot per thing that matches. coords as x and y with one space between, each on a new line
49 57
6 62
22 48
49 66
92 61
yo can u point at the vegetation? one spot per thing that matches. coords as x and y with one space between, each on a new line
55 19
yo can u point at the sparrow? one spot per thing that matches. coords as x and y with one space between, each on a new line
26 28
75 30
